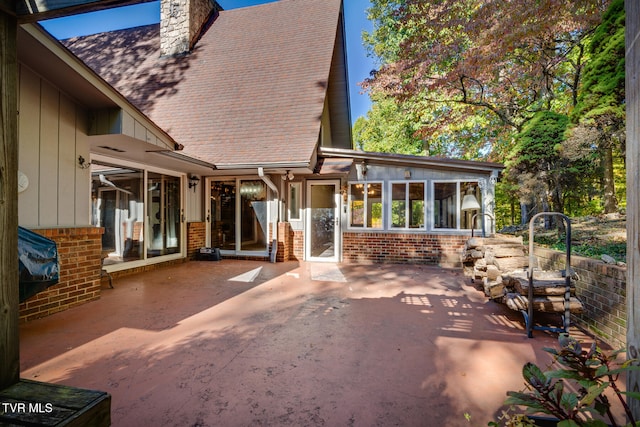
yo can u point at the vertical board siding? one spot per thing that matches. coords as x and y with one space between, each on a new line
29 149
52 134
49 142
83 176
67 162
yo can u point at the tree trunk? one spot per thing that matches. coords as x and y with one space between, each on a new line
9 353
609 190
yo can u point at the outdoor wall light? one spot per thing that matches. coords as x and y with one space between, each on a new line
288 176
82 163
193 182
361 170
407 174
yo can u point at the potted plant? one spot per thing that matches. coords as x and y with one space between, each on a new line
573 394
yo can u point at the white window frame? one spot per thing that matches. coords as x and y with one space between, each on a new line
407 220
290 207
366 204
432 198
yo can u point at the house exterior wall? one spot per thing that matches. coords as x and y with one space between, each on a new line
79 251
52 134
403 248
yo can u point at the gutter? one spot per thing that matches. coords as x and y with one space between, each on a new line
272 186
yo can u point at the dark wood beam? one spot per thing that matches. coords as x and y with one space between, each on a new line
632 9
9 348
37 10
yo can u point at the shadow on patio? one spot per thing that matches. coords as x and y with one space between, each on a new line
288 344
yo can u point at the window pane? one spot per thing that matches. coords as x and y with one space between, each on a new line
254 228
399 205
294 201
117 205
416 204
374 205
223 215
445 205
163 214
357 205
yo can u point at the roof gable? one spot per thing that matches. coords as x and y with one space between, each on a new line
252 90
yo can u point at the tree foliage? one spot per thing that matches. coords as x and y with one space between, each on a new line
486 79
388 129
511 59
601 106
536 165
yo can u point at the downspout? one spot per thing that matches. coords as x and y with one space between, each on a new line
272 186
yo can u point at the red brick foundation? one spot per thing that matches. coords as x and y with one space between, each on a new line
436 249
79 252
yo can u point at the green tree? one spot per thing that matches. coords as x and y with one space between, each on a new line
601 101
501 61
537 167
387 129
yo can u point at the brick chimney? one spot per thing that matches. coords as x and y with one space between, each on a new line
182 22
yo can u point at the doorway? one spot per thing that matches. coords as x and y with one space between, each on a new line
238 216
323 221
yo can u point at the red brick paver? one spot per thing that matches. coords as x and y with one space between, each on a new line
238 343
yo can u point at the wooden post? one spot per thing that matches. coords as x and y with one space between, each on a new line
632 9
9 354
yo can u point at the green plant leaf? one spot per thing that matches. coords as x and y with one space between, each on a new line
602 371
632 394
534 375
564 373
569 401
592 393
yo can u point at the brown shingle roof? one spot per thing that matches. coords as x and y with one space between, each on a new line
251 92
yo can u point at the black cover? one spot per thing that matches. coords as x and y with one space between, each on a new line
38 259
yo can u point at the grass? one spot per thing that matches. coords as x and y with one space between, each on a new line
617 250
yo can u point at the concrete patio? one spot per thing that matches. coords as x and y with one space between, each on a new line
238 343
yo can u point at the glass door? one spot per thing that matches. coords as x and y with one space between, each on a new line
238 215
164 213
323 221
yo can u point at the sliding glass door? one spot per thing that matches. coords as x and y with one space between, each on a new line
164 213
239 216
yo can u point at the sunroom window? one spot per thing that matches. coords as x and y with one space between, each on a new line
407 205
365 207
449 211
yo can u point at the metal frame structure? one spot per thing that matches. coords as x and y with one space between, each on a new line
566 319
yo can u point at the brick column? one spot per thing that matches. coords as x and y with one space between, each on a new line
79 252
196 237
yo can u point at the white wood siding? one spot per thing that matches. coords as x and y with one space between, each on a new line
52 134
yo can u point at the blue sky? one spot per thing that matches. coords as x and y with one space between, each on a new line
359 65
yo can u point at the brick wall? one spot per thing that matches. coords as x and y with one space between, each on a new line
298 245
601 288
79 251
372 247
196 237
285 242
